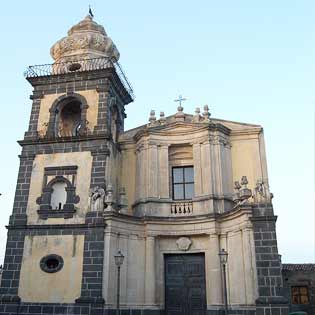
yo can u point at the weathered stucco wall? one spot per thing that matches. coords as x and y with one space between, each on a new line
248 157
60 287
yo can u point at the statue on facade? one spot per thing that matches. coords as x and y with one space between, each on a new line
97 196
262 193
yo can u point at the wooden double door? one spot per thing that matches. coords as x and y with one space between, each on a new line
185 285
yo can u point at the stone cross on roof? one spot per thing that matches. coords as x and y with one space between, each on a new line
180 100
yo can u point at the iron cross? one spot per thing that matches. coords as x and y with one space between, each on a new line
180 100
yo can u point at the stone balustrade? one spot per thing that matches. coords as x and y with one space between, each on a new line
182 208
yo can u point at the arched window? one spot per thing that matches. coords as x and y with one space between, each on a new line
68 116
58 195
69 120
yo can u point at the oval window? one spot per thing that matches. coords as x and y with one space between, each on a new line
51 263
74 67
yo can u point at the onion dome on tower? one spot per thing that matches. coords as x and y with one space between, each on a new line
85 40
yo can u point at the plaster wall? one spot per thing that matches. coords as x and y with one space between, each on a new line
248 158
63 286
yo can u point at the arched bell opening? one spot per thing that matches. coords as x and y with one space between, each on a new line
69 122
68 116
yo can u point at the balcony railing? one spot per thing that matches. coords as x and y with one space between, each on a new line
182 208
79 66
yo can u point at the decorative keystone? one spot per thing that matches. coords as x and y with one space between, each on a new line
184 243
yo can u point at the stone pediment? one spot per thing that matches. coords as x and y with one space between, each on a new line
178 128
187 124
172 129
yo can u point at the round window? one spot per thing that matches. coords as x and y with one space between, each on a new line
51 263
74 67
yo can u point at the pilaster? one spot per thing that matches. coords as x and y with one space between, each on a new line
197 169
163 176
214 272
150 282
153 171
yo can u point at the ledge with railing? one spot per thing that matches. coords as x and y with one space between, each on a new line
180 208
79 66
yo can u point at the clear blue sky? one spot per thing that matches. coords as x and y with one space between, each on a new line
251 61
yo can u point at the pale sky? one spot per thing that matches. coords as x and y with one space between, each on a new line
250 61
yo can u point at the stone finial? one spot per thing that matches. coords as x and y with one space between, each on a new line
162 118
180 116
244 181
236 195
152 118
241 192
245 193
237 185
109 199
196 117
206 114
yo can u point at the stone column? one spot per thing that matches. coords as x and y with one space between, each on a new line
149 292
214 272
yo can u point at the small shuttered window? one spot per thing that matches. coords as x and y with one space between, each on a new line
299 295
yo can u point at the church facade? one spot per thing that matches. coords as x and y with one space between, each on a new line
169 195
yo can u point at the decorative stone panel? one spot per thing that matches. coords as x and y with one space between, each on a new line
59 175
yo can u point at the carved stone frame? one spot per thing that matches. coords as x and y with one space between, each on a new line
44 260
45 211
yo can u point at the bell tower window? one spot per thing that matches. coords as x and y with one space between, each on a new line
69 121
68 116
58 195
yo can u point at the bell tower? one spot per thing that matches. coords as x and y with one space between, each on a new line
55 247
